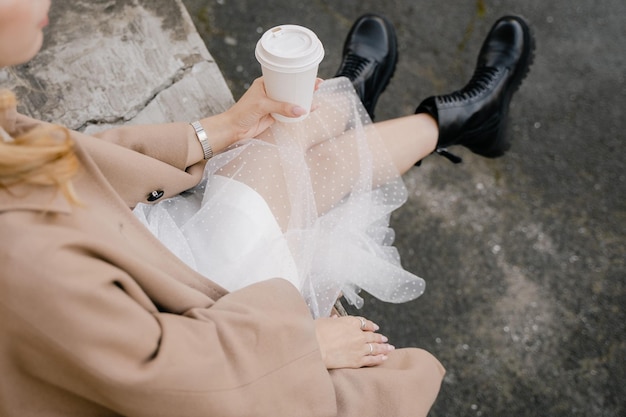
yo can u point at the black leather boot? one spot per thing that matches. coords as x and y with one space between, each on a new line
475 116
369 58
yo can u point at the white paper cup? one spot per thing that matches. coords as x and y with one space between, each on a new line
290 56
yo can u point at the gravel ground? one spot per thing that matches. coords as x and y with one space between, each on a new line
523 255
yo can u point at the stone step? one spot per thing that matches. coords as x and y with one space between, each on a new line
109 63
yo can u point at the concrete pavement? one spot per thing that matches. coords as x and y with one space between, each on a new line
523 255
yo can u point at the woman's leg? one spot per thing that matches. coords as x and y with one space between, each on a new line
409 139
390 149
473 117
382 151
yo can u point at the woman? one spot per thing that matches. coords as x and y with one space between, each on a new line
97 317
300 199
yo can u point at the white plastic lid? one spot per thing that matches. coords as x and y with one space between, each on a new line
289 48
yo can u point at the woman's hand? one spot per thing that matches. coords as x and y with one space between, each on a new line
247 118
251 114
351 342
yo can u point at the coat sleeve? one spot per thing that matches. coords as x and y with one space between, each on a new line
139 166
164 142
137 160
91 331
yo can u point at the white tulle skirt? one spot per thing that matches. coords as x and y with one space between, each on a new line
309 202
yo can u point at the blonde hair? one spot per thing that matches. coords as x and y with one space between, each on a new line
42 156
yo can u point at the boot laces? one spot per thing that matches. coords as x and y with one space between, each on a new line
480 81
352 66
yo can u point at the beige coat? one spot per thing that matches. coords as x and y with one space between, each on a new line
97 318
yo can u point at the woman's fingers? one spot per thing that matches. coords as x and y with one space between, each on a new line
280 107
376 353
367 325
374 349
373 360
351 342
377 338
252 113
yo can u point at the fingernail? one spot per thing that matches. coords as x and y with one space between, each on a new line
385 339
391 347
376 327
298 111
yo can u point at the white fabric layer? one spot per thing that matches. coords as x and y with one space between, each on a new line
309 202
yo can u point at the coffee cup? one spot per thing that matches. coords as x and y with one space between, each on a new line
290 56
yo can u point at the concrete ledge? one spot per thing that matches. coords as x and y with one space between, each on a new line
107 63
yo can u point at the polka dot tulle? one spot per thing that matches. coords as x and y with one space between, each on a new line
309 202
